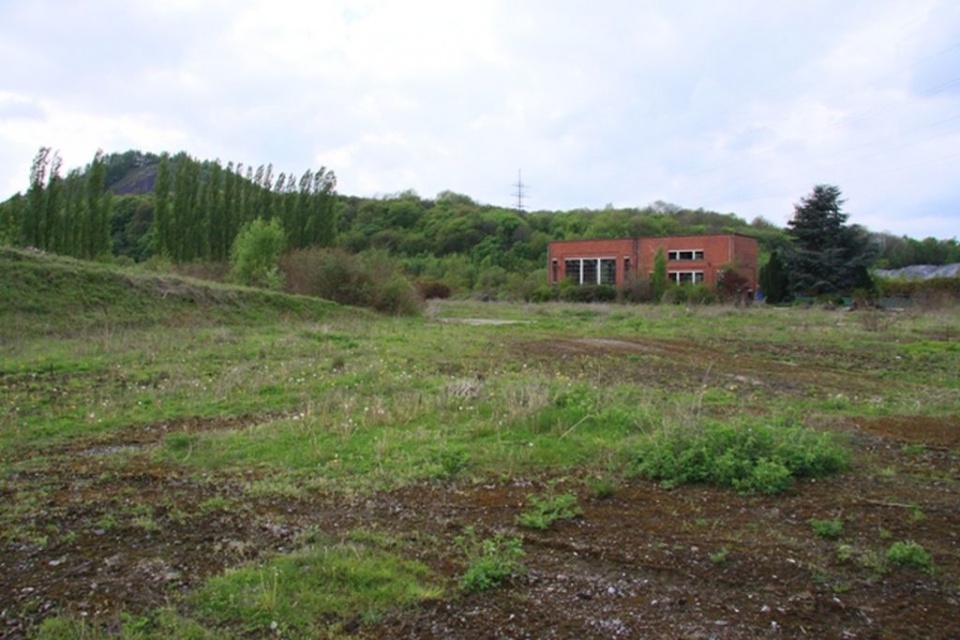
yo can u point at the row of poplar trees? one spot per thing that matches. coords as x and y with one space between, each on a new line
67 215
199 207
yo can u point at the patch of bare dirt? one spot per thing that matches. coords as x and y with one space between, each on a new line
696 562
932 431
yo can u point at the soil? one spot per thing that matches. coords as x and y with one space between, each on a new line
693 562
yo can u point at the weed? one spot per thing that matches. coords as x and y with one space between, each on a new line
545 510
914 449
916 513
830 529
602 487
910 554
844 551
748 457
720 557
490 561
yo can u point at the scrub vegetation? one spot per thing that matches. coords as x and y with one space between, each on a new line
187 460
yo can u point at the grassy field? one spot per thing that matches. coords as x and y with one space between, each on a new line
184 460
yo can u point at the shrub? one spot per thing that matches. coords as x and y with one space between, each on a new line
910 554
370 279
635 290
588 293
489 561
255 255
749 458
433 289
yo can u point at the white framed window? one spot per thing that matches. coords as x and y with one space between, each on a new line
686 254
686 277
591 270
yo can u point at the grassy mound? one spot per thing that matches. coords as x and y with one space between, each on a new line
47 295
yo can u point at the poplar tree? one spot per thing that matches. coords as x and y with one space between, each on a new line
161 208
36 197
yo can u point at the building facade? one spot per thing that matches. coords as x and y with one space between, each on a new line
690 259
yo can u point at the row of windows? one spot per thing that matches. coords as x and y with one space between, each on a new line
591 270
696 254
604 271
682 277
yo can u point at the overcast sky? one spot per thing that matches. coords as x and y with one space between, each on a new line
736 106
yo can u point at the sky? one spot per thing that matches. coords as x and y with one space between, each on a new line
736 106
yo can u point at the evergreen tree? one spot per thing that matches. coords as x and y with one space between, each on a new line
774 282
658 282
829 257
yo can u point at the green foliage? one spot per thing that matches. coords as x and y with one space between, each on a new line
255 256
750 457
658 281
720 556
490 561
372 279
544 510
910 554
774 282
829 257
587 293
830 529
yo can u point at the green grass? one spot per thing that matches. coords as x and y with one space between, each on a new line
302 592
282 396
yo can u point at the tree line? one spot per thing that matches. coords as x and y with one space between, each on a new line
135 205
193 210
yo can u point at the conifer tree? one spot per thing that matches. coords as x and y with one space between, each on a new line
829 257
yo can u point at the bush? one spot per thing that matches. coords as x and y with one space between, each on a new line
588 293
910 554
433 289
749 458
635 290
255 255
370 279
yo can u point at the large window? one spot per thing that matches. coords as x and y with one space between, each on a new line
591 270
685 277
693 254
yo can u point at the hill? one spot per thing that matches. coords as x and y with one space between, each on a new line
52 295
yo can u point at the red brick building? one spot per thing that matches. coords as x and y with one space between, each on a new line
689 259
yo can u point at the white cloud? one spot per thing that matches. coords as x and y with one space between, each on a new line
737 107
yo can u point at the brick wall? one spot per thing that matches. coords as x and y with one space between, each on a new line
637 256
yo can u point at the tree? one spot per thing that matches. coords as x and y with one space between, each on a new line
255 256
774 282
658 282
829 256
161 210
